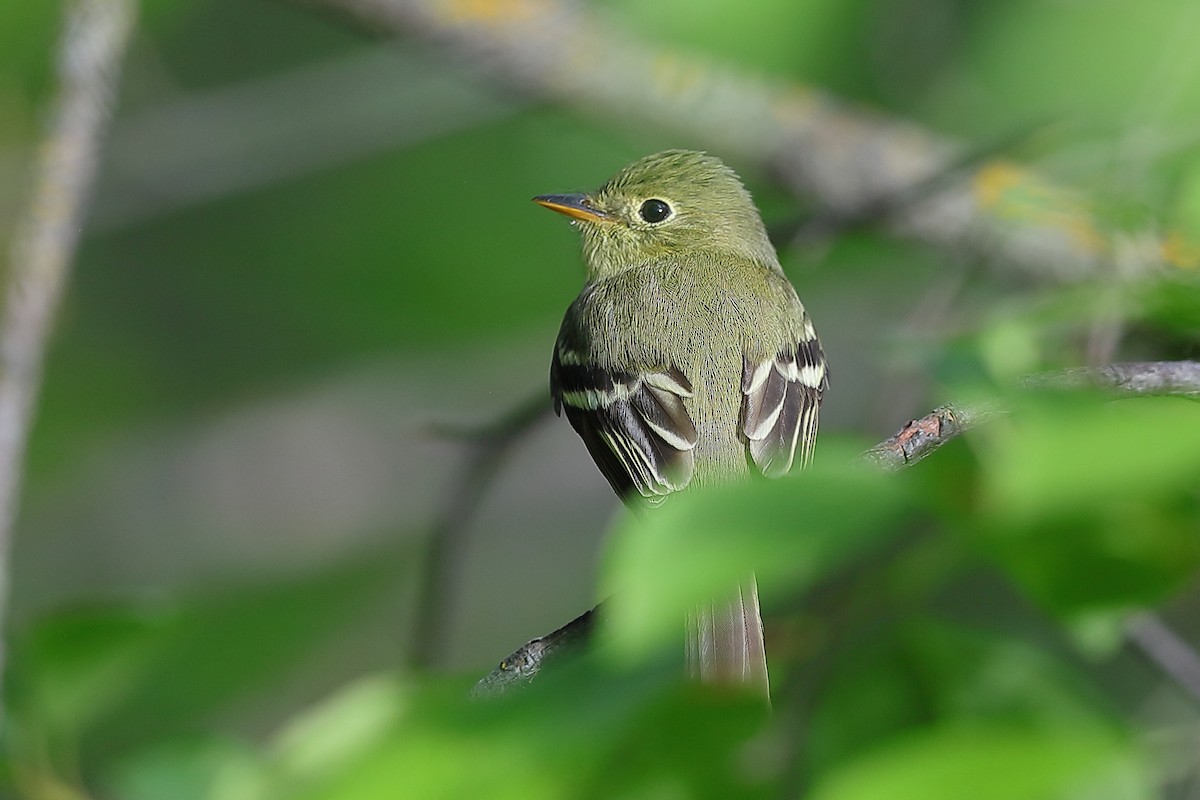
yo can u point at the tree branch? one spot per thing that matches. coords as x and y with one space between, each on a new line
1163 648
916 440
1135 377
850 160
490 447
89 66
920 437
527 661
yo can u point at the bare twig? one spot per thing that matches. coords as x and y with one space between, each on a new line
916 440
846 158
1135 377
1163 648
527 661
89 65
920 437
490 447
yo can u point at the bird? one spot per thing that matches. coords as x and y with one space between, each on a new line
687 360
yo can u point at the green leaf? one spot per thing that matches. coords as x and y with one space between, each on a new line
1090 503
586 731
1173 303
992 762
115 678
1080 452
180 769
790 533
74 666
923 672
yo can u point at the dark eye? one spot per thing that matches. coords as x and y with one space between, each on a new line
654 211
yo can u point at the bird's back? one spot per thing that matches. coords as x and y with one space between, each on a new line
708 309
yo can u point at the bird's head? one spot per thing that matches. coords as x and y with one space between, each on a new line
665 206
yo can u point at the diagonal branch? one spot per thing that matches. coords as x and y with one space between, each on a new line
89 66
920 437
916 440
851 161
490 447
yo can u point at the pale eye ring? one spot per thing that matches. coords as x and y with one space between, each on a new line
654 210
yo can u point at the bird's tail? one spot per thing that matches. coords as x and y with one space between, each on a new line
725 641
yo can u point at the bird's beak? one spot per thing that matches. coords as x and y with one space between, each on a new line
575 206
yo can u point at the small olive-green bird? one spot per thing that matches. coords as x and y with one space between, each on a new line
687 360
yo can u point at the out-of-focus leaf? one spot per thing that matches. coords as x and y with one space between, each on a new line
924 672
74 667
28 37
1173 303
241 640
1081 452
1129 53
760 36
1091 503
1184 213
583 731
118 677
789 532
992 762
180 770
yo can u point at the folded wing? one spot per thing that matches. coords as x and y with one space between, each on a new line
781 400
635 424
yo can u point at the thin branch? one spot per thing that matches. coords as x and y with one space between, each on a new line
920 437
89 66
527 661
849 160
916 440
1166 650
490 447
1135 377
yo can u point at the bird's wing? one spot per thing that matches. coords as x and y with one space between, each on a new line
781 400
634 423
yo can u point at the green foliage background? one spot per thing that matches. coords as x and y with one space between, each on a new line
309 246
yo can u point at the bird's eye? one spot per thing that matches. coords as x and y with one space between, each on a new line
654 211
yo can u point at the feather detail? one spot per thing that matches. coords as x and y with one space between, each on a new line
725 641
781 400
635 425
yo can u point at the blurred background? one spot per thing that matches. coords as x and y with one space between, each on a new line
310 263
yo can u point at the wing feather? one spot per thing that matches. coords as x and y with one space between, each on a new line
635 424
780 406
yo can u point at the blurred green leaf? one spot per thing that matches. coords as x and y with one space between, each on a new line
923 672
1091 503
1081 452
116 678
28 35
1172 303
179 769
584 731
992 762
1135 58
790 533
73 667
760 36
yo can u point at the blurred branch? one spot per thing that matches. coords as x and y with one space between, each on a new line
850 160
1137 377
916 440
1163 648
490 447
89 66
267 130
